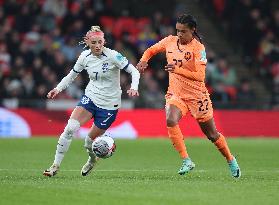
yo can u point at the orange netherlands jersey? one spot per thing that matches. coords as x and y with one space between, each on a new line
189 60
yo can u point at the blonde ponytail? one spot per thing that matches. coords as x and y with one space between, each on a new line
95 29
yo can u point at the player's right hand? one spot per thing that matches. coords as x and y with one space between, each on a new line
52 94
141 66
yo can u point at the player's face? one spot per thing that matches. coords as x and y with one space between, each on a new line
184 33
96 44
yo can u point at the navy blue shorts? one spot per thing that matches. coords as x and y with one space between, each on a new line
102 118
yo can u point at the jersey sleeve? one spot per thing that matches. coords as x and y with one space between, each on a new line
79 65
66 81
199 63
156 48
119 60
200 56
135 76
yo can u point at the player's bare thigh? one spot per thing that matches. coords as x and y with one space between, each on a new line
95 132
80 114
173 115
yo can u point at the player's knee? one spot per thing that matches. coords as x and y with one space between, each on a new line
212 135
72 126
171 121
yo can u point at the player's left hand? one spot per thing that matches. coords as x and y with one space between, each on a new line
169 67
133 93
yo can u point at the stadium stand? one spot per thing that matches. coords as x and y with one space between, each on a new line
255 39
39 45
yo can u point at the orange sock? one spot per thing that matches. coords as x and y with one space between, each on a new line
222 145
177 140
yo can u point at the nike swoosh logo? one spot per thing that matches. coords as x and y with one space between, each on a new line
103 124
61 145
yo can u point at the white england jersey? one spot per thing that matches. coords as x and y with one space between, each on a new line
104 73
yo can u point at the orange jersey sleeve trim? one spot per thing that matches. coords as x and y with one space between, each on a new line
153 50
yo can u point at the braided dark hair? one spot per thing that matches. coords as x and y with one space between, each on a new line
191 22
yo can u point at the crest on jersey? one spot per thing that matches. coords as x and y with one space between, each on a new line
105 67
85 100
187 56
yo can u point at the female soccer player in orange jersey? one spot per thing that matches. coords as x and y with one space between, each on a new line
186 59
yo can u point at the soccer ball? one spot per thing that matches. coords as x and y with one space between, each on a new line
103 146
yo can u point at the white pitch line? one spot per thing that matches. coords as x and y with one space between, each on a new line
136 170
98 170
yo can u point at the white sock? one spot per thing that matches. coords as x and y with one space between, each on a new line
65 140
62 147
88 142
88 145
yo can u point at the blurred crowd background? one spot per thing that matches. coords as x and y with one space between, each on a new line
39 44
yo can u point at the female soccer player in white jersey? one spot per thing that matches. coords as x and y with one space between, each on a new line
102 97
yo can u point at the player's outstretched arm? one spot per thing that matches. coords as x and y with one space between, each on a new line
65 82
53 93
141 66
133 91
150 52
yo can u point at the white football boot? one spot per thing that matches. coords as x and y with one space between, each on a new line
50 172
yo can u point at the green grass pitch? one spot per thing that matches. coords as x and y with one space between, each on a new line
140 172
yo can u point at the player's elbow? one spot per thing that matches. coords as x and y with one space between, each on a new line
148 53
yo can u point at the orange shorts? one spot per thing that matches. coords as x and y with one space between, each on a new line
198 104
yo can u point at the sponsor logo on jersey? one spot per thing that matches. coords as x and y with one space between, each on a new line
203 56
120 57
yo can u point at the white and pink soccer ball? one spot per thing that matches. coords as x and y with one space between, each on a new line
103 146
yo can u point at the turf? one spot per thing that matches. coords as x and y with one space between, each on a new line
141 172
